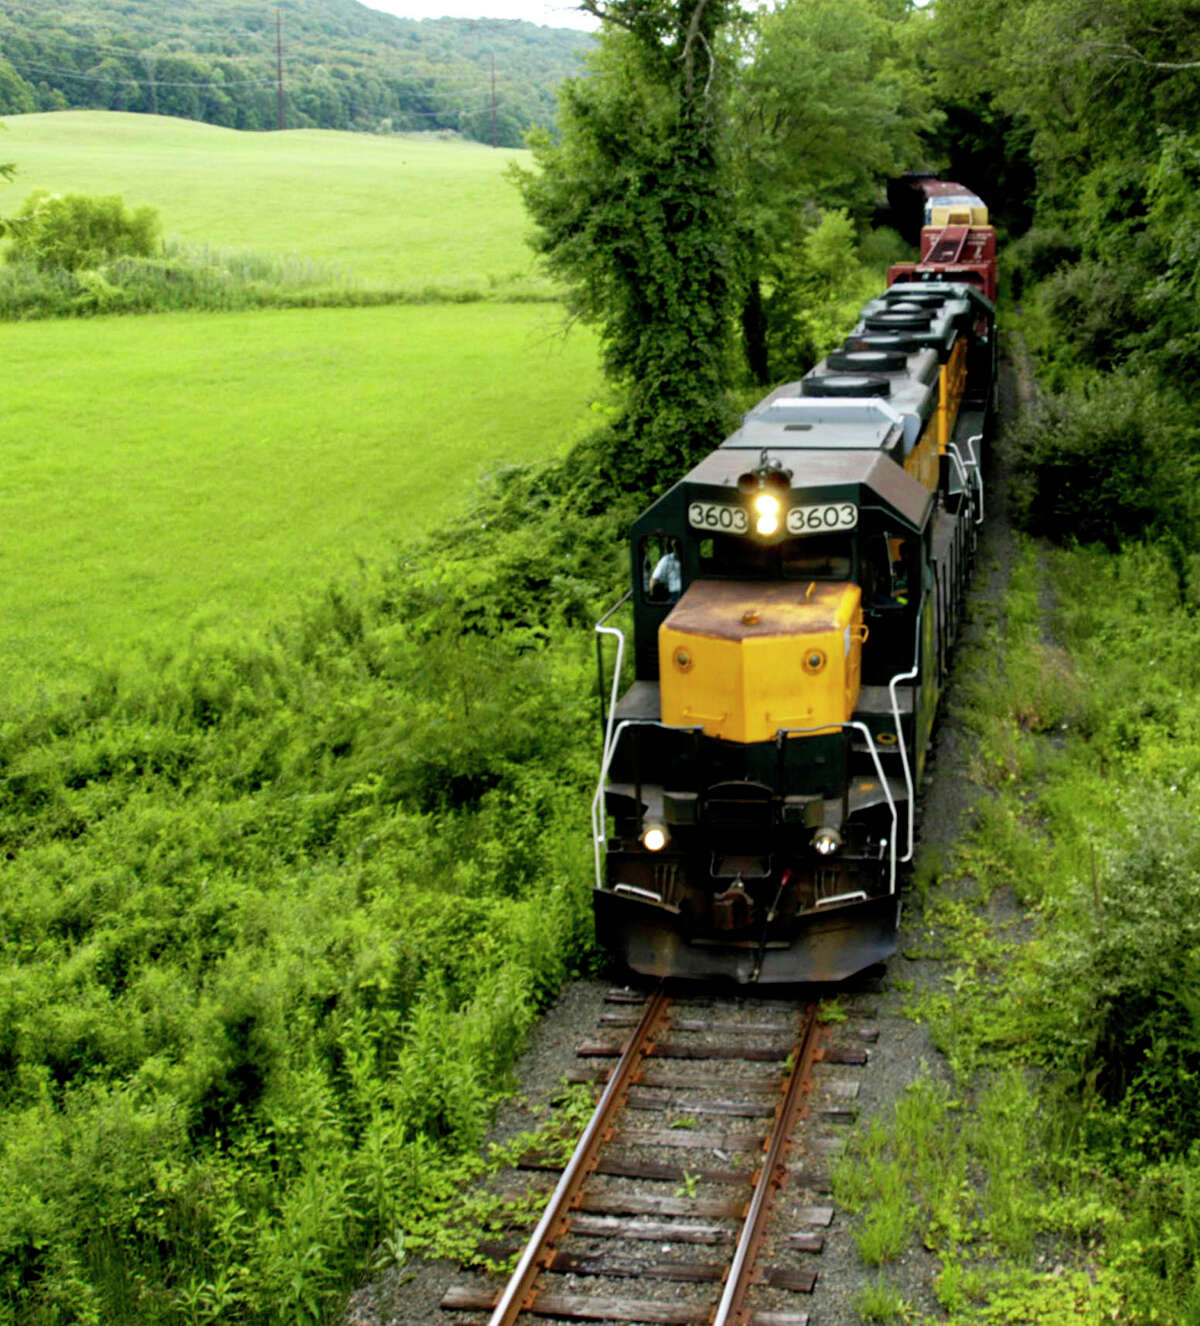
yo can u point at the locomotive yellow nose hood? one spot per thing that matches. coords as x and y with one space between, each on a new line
743 659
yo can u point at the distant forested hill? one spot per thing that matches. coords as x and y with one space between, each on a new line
344 66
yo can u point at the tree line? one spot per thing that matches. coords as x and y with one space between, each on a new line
344 66
1092 109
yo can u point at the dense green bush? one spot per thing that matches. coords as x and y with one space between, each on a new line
1109 463
1172 341
882 246
276 913
1040 252
1126 1020
73 232
1158 1255
822 279
1095 311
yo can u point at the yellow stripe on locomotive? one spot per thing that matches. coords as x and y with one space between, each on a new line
952 381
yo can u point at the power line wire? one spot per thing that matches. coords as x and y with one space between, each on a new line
304 77
139 53
446 112
137 82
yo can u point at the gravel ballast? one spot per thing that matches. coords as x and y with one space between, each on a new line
409 1295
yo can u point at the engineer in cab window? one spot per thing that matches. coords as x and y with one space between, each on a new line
666 579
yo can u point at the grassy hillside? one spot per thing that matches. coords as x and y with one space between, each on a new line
405 212
224 463
345 66
165 469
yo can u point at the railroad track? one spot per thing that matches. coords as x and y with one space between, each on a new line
696 1195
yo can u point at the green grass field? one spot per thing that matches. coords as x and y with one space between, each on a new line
351 842
155 471
406 211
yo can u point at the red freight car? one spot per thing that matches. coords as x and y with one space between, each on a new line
957 244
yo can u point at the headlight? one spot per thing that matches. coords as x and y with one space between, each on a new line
654 838
827 841
766 505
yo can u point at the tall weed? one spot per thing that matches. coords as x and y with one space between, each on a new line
276 914
1100 1152
207 278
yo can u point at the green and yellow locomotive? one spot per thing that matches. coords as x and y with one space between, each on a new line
795 596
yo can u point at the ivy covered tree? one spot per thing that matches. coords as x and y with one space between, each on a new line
696 164
828 104
634 210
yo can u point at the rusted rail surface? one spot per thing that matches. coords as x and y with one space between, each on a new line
517 1293
746 1088
770 1177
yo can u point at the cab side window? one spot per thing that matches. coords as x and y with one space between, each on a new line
900 558
885 572
662 568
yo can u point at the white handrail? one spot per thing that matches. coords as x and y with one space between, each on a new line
910 675
615 631
609 734
598 834
953 452
610 741
857 896
978 467
887 789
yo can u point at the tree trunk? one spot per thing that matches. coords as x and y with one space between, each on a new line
754 333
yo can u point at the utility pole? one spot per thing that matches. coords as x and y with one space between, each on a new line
150 63
279 65
493 99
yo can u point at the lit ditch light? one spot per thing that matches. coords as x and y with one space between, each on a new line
766 507
827 841
765 487
654 837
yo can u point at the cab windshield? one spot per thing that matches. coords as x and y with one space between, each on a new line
810 557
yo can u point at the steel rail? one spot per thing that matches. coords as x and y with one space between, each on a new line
518 1293
770 1177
